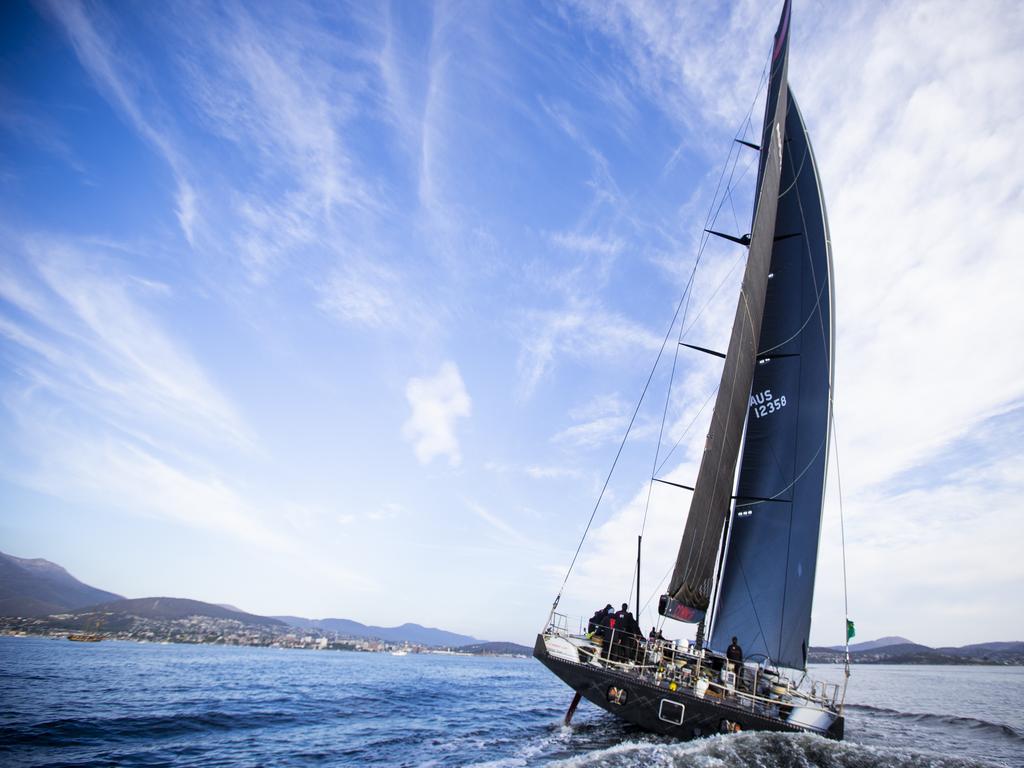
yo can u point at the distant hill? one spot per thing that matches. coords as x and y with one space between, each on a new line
37 587
995 653
871 645
169 608
1011 647
880 652
406 633
497 649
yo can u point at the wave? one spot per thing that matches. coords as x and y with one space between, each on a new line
69 731
955 720
764 750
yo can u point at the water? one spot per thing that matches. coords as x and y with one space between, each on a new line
114 703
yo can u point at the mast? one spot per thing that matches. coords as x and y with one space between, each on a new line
692 580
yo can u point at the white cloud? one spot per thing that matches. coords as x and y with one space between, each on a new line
437 403
187 210
925 223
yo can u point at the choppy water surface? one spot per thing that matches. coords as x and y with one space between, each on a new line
115 703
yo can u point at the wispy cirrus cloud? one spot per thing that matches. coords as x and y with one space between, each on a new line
508 534
583 329
21 121
85 331
545 472
686 60
277 97
599 421
92 35
362 293
596 244
283 95
104 405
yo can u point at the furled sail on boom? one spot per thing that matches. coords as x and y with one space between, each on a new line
690 588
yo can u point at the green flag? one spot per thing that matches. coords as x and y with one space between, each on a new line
850 631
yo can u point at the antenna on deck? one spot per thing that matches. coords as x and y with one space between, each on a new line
639 540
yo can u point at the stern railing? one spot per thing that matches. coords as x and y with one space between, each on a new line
675 664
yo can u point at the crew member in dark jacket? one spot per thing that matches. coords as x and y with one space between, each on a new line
734 653
626 624
606 630
598 618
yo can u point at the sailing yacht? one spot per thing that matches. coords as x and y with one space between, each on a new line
746 562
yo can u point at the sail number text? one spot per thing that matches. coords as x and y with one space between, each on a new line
763 404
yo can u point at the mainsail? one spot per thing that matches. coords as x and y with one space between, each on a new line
768 575
691 585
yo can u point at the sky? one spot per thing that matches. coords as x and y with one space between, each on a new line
342 310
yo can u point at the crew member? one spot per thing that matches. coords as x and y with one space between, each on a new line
628 633
606 629
598 618
626 621
734 653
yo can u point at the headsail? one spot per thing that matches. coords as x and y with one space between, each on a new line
690 587
768 577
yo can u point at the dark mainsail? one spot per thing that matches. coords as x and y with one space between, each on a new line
690 588
767 579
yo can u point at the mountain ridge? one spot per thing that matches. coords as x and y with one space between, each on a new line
38 587
874 652
870 645
169 608
403 633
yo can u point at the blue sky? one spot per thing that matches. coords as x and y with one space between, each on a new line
342 311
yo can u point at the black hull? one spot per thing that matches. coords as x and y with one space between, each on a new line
642 703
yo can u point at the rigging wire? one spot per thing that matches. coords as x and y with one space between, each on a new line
689 426
683 302
622 445
842 539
